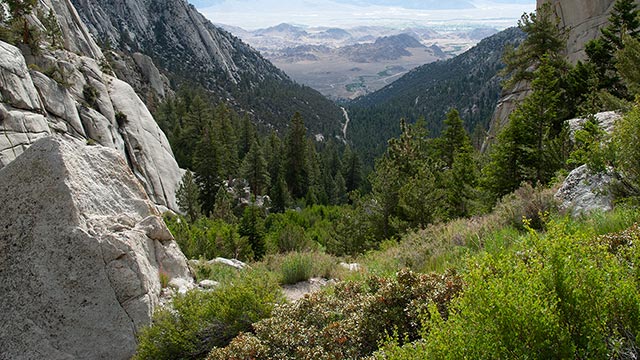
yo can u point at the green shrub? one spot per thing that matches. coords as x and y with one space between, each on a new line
201 320
214 271
534 204
348 322
90 95
626 137
569 294
208 238
296 267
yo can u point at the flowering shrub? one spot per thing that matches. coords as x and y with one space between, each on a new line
347 323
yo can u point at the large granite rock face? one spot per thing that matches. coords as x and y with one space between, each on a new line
81 251
583 19
78 99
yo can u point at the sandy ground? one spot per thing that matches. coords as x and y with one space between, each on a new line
297 291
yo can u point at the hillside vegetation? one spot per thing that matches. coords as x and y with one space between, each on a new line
461 255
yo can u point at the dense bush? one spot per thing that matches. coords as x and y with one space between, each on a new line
295 267
209 238
569 294
201 320
347 323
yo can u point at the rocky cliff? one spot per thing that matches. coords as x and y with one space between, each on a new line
583 19
81 252
66 91
190 49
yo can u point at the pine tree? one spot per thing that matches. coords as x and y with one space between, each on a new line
19 9
254 169
188 196
223 208
279 193
352 170
297 170
544 38
226 138
623 21
525 150
252 227
207 165
454 138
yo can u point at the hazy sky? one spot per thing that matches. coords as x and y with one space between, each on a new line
252 14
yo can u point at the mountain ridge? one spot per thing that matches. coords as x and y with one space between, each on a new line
189 49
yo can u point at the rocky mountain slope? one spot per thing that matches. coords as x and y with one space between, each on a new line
468 82
84 173
189 49
65 91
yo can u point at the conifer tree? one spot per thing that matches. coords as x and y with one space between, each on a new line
352 170
544 38
223 208
252 227
188 196
254 169
207 164
297 170
454 138
623 21
525 150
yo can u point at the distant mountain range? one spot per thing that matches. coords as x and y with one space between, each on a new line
468 82
347 63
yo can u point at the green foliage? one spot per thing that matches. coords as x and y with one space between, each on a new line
53 30
187 196
625 141
469 83
296 267
90 95
532 147
348 322
569 294
201 320
209 239
623 22
252 227
626 60
545 38
591 147
529 204
296 163
254 169
16 29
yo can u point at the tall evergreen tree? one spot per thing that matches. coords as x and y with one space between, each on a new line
623 21
525 150
252 227
544 38
454 138
188 196
352 170
297 170
254 169
207 164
